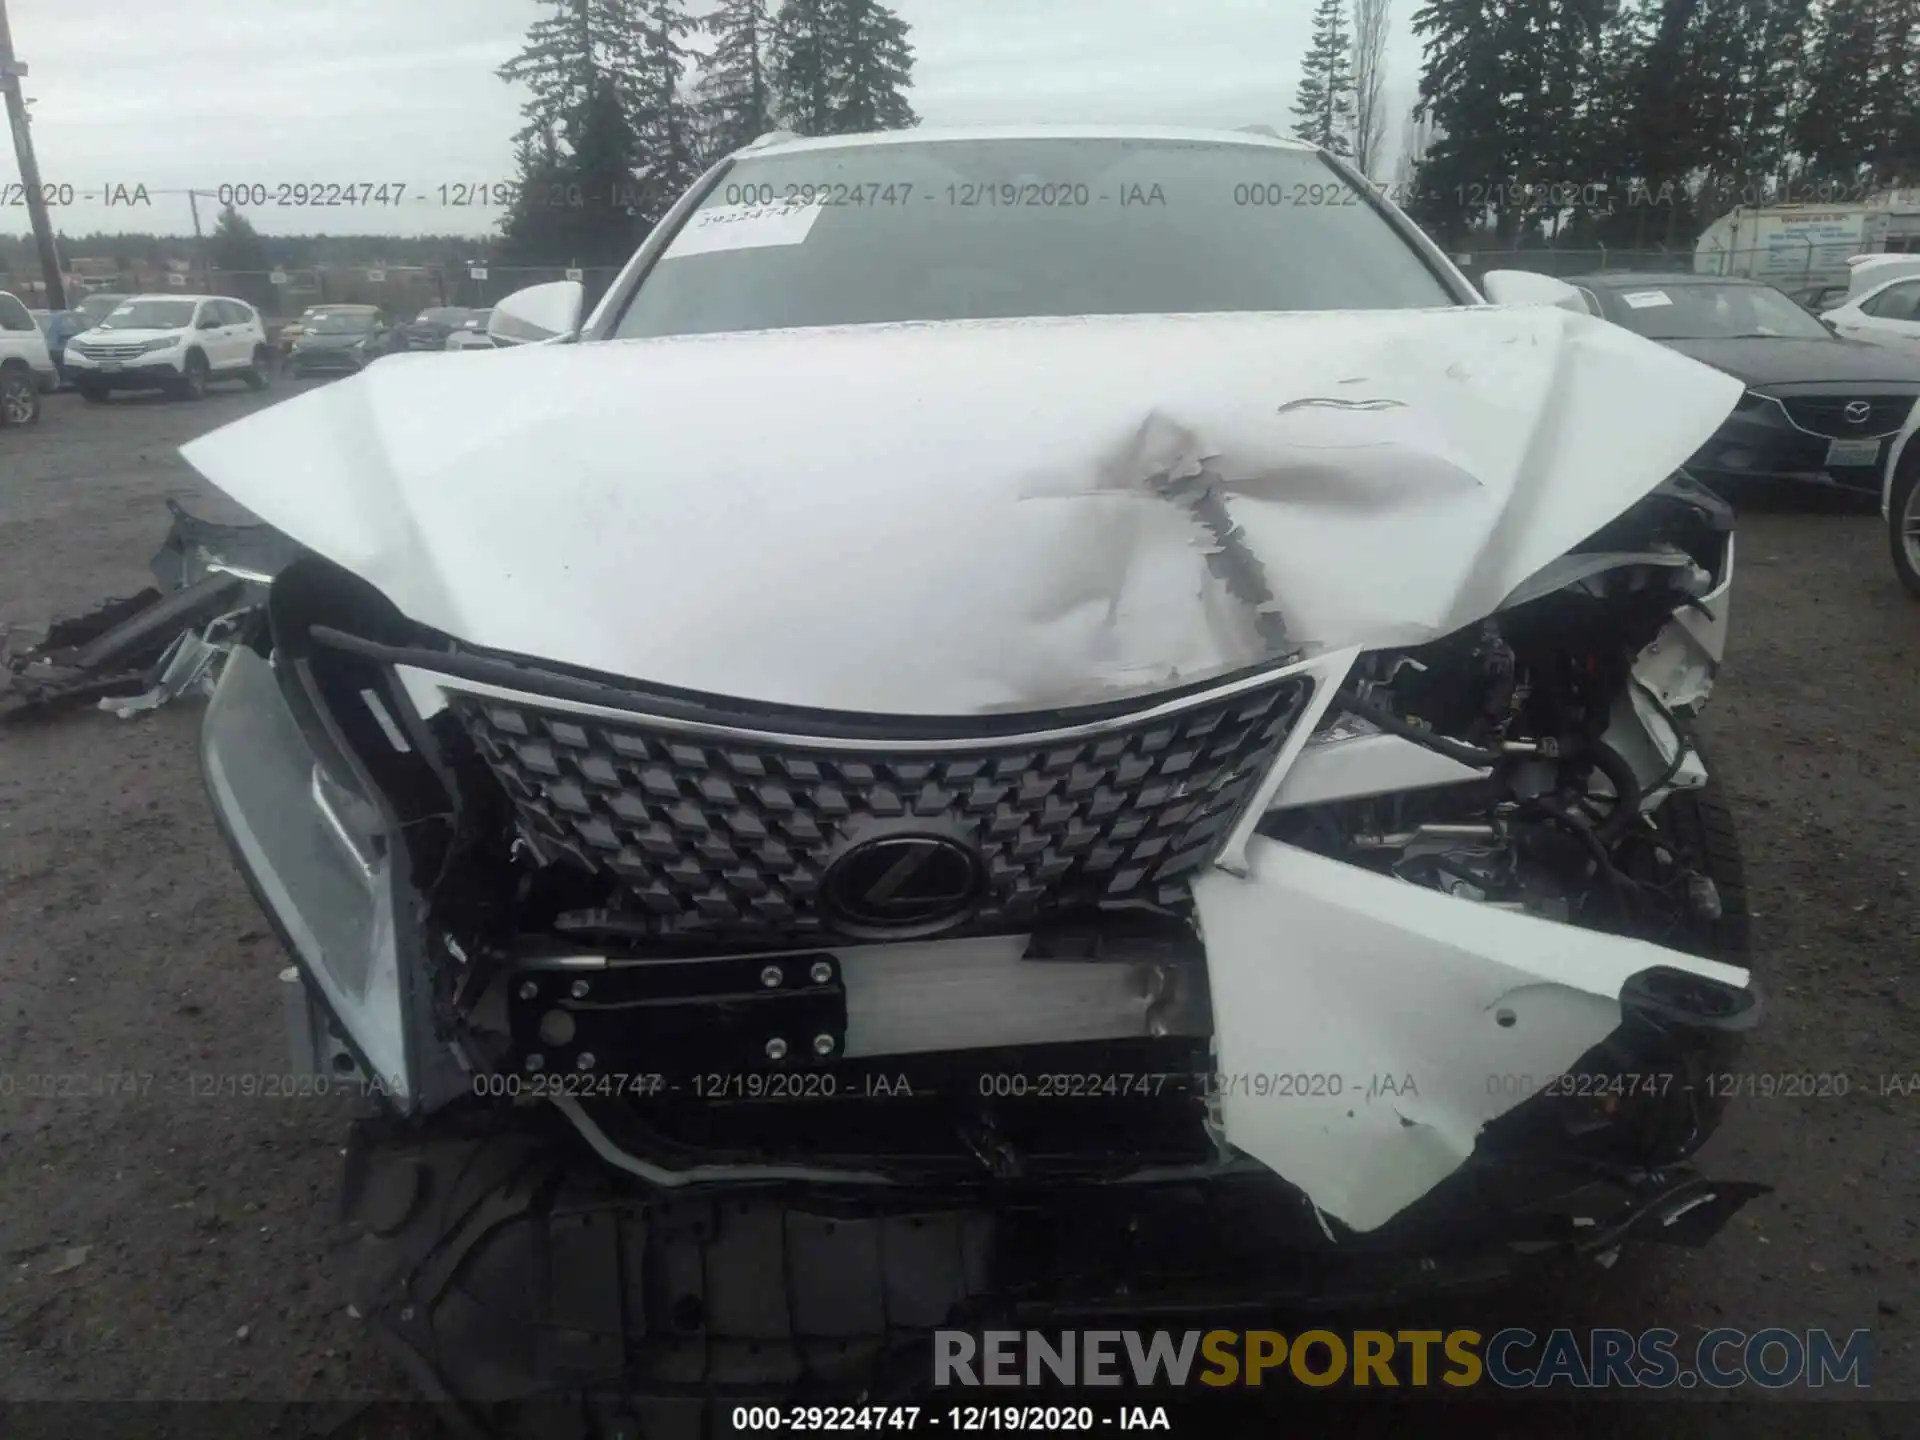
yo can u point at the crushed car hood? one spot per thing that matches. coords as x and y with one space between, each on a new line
975 517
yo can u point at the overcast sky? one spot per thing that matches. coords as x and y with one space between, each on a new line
172 94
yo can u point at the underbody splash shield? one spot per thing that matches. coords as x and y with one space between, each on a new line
1365 1028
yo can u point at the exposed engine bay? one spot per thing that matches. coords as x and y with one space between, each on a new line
1548 703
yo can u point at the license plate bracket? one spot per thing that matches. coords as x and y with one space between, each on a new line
1853 454
682 1017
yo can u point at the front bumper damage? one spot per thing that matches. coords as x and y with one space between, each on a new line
606 894
137 653
501 1269
1375 1061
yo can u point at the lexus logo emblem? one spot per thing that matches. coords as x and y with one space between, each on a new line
902 884
1857 411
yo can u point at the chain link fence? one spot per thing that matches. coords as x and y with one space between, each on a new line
1794 263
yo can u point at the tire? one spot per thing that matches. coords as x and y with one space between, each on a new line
259 375
192 384
92 394
1903 520
19 395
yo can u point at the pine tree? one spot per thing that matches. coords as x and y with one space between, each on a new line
564 55
599 189
1466 75
1775 34
736 91
235 246
876 67
235 249
1323 106
657 110
1892 98
534 232
804 62
841 67
1834 131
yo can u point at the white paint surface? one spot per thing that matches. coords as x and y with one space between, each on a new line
1325 974
974 517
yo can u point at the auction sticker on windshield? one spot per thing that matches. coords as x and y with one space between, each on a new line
744 227
1645 299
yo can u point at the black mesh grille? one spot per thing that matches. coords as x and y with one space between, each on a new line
1885 414
724 839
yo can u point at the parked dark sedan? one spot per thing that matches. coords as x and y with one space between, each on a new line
339 342
429 331
1819 410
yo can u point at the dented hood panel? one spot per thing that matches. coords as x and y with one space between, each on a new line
965 518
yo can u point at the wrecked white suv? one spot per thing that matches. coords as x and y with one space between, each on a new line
1050 718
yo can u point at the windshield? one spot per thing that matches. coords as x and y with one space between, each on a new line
978 229
96 308
441 317
151 315
337 324
1696 311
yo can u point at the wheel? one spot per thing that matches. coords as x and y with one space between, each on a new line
19 395
259 374
1903 520
92 394
192 384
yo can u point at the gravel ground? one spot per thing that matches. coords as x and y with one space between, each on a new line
180 1243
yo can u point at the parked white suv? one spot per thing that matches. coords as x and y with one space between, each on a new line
26 369
1888 314
176 343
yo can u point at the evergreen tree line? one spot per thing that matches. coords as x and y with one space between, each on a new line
624 110
1635 122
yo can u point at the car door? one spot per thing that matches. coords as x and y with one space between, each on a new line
247 332
20 338
1888 316
236 340
209 334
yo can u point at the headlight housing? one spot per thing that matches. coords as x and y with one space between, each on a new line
166 342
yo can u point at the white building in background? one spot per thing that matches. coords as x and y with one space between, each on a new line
1807 245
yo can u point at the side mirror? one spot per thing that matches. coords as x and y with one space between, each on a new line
539 312
1523 287
210 323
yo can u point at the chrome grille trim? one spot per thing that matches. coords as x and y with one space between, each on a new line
717 833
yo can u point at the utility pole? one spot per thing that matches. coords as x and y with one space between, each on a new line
10 72
199 240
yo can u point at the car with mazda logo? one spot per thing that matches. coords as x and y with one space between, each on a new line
1820 410
1066 735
